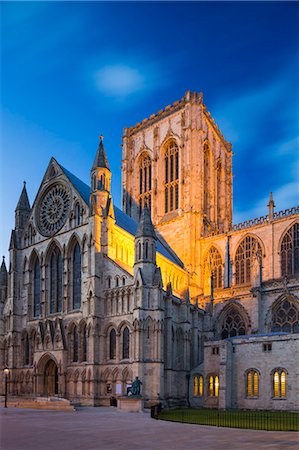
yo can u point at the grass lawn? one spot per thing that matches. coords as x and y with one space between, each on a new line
256 420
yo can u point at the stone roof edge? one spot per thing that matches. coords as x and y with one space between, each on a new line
215 127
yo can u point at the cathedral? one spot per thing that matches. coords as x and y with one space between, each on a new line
205 312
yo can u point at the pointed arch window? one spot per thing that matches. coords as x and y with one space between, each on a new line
219 190
206 179
213 386
289 251
252 383
171 184
55 282
214 266
145 182
84 346
248 249
233 323
198 386
112 344
285 316
76 277
36 288
126 343
26 349
279 383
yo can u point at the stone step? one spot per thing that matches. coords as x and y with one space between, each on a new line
53 403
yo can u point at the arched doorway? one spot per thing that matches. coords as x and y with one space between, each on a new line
51 379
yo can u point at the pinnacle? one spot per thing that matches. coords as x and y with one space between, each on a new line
101 158
145 227
23 202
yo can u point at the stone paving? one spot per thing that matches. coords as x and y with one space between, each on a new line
110 429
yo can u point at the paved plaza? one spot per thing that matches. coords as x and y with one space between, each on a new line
108 428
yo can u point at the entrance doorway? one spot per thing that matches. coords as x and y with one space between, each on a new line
51 379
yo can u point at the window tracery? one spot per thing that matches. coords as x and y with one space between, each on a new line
279 383
213 386
198 386
248 249
233 323
171 184
214 266
289 251
285 316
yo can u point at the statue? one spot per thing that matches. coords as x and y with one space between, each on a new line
135 389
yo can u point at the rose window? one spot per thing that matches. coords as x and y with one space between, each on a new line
53 211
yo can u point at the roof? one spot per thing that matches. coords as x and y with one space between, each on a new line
100 158
123 220
23 202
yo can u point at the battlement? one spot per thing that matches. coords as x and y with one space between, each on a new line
265 219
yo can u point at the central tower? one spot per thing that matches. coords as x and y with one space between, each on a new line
178 163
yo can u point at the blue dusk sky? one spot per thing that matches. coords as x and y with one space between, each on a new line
71 71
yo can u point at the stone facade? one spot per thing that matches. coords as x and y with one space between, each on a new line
203 311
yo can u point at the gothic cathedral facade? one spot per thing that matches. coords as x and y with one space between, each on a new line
205 312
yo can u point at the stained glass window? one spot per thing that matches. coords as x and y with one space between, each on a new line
290 251
76 277
171 184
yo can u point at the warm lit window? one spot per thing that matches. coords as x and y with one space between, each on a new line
279 383
289 251
197 385
248 249
213 386
145 182
171 184
252 383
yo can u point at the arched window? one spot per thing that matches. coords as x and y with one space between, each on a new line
171 184
76 277
213 265
233 323
78 214
252 383
84 346
206 180
36 288
279 383
55 282
248 249
126 343
145 182
109 282
213 386
112 344
285 316
219 190
146 250
289 251
26 350
139 250
197 385
75 344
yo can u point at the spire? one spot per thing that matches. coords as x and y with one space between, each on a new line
101 158
145 227
271 206
23 203
3 273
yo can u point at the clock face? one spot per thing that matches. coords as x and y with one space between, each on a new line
53 209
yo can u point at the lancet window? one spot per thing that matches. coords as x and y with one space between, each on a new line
76 277
126 343
36 288
214 267
248 249
171 184
112 344
279 383
206 182
198 386
55 282
213 386
290 252
252 383
145 182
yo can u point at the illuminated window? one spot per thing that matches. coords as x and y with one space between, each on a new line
213 386
279 383
252 383
213 265
197 385
289 251
171 184
145 182
248 249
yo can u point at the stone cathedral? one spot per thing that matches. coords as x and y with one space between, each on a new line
205 312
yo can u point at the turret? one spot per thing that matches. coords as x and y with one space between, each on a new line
22 210
145 246
3 281
100 178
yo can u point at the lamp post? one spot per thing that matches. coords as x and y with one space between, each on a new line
6 372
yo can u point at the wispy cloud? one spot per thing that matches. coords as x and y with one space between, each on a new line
119 80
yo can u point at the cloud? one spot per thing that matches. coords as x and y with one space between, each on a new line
119 80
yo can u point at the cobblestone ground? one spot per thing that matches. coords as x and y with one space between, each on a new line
107 428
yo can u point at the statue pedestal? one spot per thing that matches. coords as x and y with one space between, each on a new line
130 404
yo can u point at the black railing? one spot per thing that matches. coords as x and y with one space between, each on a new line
250 419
